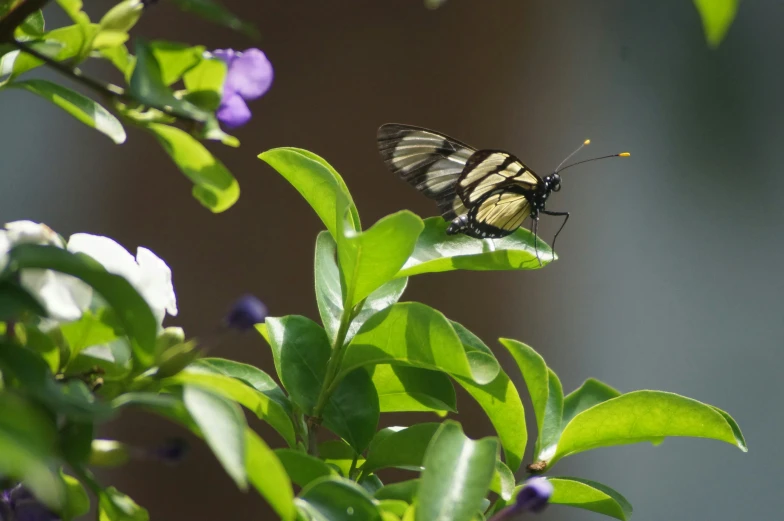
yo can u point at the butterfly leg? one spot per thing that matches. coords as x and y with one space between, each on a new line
565 215
535 231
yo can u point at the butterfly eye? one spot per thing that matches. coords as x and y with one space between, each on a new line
557 186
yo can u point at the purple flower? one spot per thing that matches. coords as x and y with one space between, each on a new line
246 313
248 77
533 497
18 504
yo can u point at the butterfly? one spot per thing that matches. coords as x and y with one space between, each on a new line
486 194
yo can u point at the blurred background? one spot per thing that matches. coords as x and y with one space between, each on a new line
669 276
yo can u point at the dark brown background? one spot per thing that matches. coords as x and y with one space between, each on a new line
670 270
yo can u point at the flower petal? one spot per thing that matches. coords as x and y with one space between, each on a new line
250 74
233 112
155 284
64 297
108 252
29 232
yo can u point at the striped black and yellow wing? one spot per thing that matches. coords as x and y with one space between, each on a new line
490 170
430 161
498 214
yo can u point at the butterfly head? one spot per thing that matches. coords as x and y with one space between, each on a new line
553 182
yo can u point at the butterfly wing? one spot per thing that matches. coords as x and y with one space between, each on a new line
490 170
430 161
498 214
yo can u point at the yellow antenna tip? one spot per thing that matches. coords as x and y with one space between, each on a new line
624 154
587 142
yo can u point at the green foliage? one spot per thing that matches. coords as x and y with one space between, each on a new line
717 17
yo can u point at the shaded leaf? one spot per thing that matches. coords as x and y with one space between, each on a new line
268 476
338 499
399 447
590 495
339 454
406 389
302 468
591 392
503 482
352 410
214 12
113 505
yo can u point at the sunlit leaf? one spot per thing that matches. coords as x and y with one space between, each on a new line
717 17
590 495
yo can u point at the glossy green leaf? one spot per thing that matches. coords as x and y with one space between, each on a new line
590 495
352 410
16 301
717 17
71 398
214 12
644 416
393 506
399 447
74 10
339 454
329 296
258 403
205 83
268 476
436 252
371 258
91 329
77 502
316 181
113 505
175 59
458 472
223 426
122 17
400 491
250 375
131 309
28 451
591 392
301 350
338 499
503 482
32 27
412 334
408 389
498 398
545 391
60 44
148 85
215 187
79 106
302 468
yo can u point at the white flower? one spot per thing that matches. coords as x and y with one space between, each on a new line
148 273
64 297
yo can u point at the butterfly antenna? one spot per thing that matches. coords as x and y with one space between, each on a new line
585 143
622 154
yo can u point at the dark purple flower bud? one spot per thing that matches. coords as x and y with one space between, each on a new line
249 76
173 450
20 505
246 313
534 495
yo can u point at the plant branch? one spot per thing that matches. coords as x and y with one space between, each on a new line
16 17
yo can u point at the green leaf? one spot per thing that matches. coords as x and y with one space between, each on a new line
250 375
79 106
301 350
113 505
316 181
591 392
503 482
498 398
412 334
458 472
74 10
393 506
230 388
45 346
403 389
223 426
175 59
215 12
352 411
131 309
590 495
91 330
400 491
436 252
28 451
15 302
369 259
77 502
329 295
644 416
60 44
339 454
148 85
302 468
268 476
76 440
120 18
337 499
205 83
546 394
717 17
215 187
402 447
32 27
